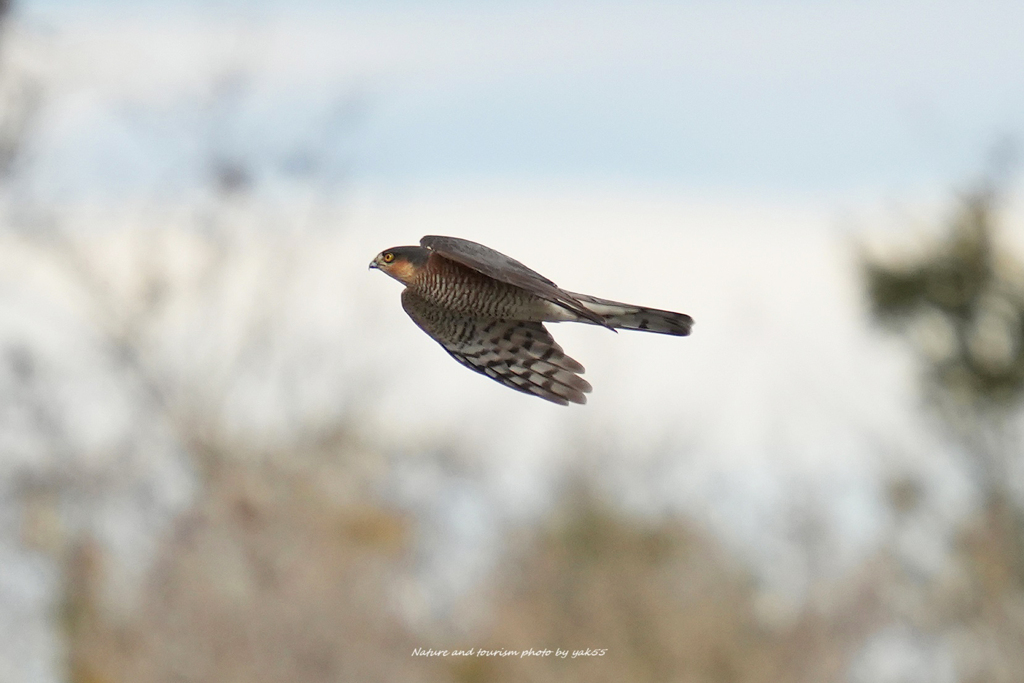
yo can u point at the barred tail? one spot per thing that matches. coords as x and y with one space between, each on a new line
627 317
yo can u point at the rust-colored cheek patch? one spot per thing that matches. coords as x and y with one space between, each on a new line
402 270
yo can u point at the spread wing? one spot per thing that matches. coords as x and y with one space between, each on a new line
521 355
504 269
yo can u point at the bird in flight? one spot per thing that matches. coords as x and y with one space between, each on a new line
488 311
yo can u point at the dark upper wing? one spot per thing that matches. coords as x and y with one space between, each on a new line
504 269
521 355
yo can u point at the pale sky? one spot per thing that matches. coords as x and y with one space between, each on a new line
798 98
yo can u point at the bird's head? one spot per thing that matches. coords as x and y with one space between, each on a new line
401 263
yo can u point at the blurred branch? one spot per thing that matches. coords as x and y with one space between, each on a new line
265 580
130 316
963 303
21 97
969 290
663 601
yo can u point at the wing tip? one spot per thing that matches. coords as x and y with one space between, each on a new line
578 398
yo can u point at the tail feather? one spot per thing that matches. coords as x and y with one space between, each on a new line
628 317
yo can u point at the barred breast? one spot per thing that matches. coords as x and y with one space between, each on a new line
466 292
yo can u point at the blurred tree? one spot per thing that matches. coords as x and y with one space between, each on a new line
653 602
976 292
5 10
20 100
267 579
963 302
177 316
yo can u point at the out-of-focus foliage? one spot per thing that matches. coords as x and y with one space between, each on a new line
20 101
963 303
267 578
665 601
968 297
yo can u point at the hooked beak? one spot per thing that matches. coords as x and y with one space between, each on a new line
373 264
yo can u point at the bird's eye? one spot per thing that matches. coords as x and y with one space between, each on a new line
389 257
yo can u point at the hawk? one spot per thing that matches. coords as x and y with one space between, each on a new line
488 311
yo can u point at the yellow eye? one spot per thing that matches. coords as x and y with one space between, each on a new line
389 257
